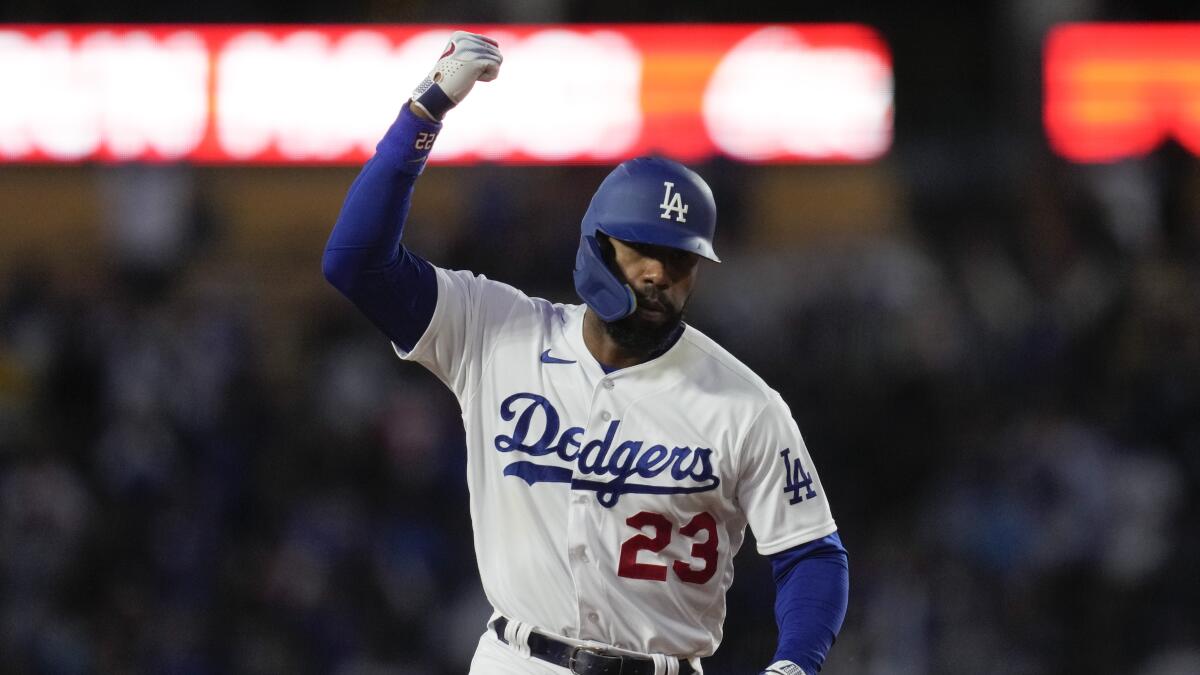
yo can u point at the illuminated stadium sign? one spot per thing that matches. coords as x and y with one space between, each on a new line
1119 90
325 94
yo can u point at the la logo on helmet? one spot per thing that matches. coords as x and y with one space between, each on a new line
672 203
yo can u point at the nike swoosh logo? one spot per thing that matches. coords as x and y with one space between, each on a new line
546 358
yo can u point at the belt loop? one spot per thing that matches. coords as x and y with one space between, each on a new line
665 665
523 631
517 636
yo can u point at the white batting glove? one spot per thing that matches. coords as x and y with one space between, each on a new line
468 57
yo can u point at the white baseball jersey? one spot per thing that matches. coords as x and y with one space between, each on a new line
609 507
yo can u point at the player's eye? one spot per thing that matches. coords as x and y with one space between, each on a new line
680 259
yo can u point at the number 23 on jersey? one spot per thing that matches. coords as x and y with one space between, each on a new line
701 529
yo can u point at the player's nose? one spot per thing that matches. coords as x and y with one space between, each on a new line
654 272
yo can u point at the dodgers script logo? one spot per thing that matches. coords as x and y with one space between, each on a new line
624 465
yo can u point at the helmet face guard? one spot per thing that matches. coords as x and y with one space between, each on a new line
647 200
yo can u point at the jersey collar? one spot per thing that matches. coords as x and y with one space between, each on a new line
573 330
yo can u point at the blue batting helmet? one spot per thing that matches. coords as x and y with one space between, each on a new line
646 200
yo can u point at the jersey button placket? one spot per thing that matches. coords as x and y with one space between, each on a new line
578 536
587 518
579 553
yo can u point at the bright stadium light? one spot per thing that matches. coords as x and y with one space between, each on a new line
774 95
150 94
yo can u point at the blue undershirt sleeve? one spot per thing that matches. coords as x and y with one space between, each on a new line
364 259
812 584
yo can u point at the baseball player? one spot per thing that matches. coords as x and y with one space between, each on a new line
615 454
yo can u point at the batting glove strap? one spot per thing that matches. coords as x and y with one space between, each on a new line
430 98
783 668
467 59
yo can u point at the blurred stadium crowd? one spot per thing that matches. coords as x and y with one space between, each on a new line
1003 401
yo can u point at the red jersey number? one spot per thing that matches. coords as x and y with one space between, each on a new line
704 550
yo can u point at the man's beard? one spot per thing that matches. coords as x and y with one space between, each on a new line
642 336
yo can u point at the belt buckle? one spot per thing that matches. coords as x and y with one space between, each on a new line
574 658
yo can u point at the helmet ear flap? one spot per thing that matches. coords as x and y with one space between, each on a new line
604 293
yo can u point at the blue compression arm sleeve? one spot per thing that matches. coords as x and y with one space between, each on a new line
364 258
812 584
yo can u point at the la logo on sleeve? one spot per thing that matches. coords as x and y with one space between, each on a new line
796 478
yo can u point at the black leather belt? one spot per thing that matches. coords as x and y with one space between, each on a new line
585 660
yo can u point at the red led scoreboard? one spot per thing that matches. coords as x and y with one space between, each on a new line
1119 90
234 94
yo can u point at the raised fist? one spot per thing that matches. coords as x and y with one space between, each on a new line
468 57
